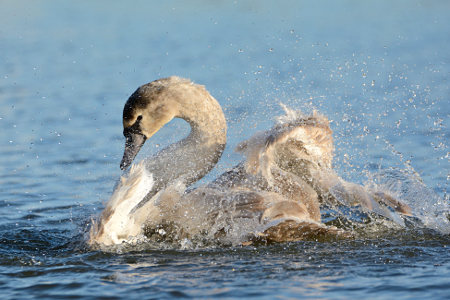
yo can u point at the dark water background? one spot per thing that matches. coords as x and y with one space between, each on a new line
379 69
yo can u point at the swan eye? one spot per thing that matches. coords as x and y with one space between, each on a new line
135 128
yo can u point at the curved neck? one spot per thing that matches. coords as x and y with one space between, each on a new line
190 159
206 118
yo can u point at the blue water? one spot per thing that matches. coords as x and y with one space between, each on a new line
378 69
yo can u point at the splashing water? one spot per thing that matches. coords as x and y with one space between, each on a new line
430 210
378 69
179 225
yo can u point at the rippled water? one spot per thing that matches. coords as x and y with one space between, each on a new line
378 69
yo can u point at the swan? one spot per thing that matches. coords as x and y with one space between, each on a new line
275 194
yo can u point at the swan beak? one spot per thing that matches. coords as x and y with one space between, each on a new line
133 144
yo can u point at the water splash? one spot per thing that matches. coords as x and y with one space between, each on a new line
429 208
180 226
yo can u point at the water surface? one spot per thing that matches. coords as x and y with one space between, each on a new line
379 70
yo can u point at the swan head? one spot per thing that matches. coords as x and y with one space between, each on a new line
156 103
145 112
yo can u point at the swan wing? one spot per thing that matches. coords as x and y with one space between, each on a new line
118 221
302 146
296 138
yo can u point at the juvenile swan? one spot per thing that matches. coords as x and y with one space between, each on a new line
275 194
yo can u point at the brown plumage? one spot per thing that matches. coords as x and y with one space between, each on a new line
275 194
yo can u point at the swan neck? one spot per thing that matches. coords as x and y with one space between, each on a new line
207 122
193 157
